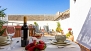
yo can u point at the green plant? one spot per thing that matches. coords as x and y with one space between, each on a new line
36 27
2 14
36 23
58 29
1 27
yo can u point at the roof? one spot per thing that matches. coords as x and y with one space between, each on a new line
31 17
63 15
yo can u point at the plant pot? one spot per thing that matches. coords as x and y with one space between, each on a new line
38 35
71 38
3 38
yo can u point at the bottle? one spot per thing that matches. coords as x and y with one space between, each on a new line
24 33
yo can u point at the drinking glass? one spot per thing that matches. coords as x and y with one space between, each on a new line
10 31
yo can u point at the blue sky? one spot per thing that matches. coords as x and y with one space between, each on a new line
34 6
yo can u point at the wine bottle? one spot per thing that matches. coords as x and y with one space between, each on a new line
24 33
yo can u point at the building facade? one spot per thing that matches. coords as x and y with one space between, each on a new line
78 12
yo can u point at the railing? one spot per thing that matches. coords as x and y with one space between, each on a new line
17 23
18 31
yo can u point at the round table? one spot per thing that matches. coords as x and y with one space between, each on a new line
50 47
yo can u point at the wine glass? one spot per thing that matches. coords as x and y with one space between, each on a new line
10 31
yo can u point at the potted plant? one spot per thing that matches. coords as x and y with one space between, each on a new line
2 30
37 31
36 26
60 37
58 29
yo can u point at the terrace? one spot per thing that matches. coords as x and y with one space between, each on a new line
47 37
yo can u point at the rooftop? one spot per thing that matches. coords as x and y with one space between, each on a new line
55 17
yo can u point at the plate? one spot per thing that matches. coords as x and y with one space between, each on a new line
67 42
60 42
63 44
4 43
53 43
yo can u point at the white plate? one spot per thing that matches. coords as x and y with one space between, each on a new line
4 43
67 41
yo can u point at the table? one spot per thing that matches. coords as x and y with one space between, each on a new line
50 47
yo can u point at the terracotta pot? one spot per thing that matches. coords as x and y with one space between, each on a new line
71 38
38 37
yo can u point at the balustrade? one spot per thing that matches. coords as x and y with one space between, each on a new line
18 31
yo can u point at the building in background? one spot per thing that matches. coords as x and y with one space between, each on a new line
78 12
44 17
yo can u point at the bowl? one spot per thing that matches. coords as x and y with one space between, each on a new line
60 38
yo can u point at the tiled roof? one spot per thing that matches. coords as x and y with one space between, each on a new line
63 15
31 17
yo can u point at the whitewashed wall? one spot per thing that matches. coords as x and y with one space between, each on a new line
65 24
78 14
52 24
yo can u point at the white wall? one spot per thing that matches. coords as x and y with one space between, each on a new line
52 24
78 14
65 24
